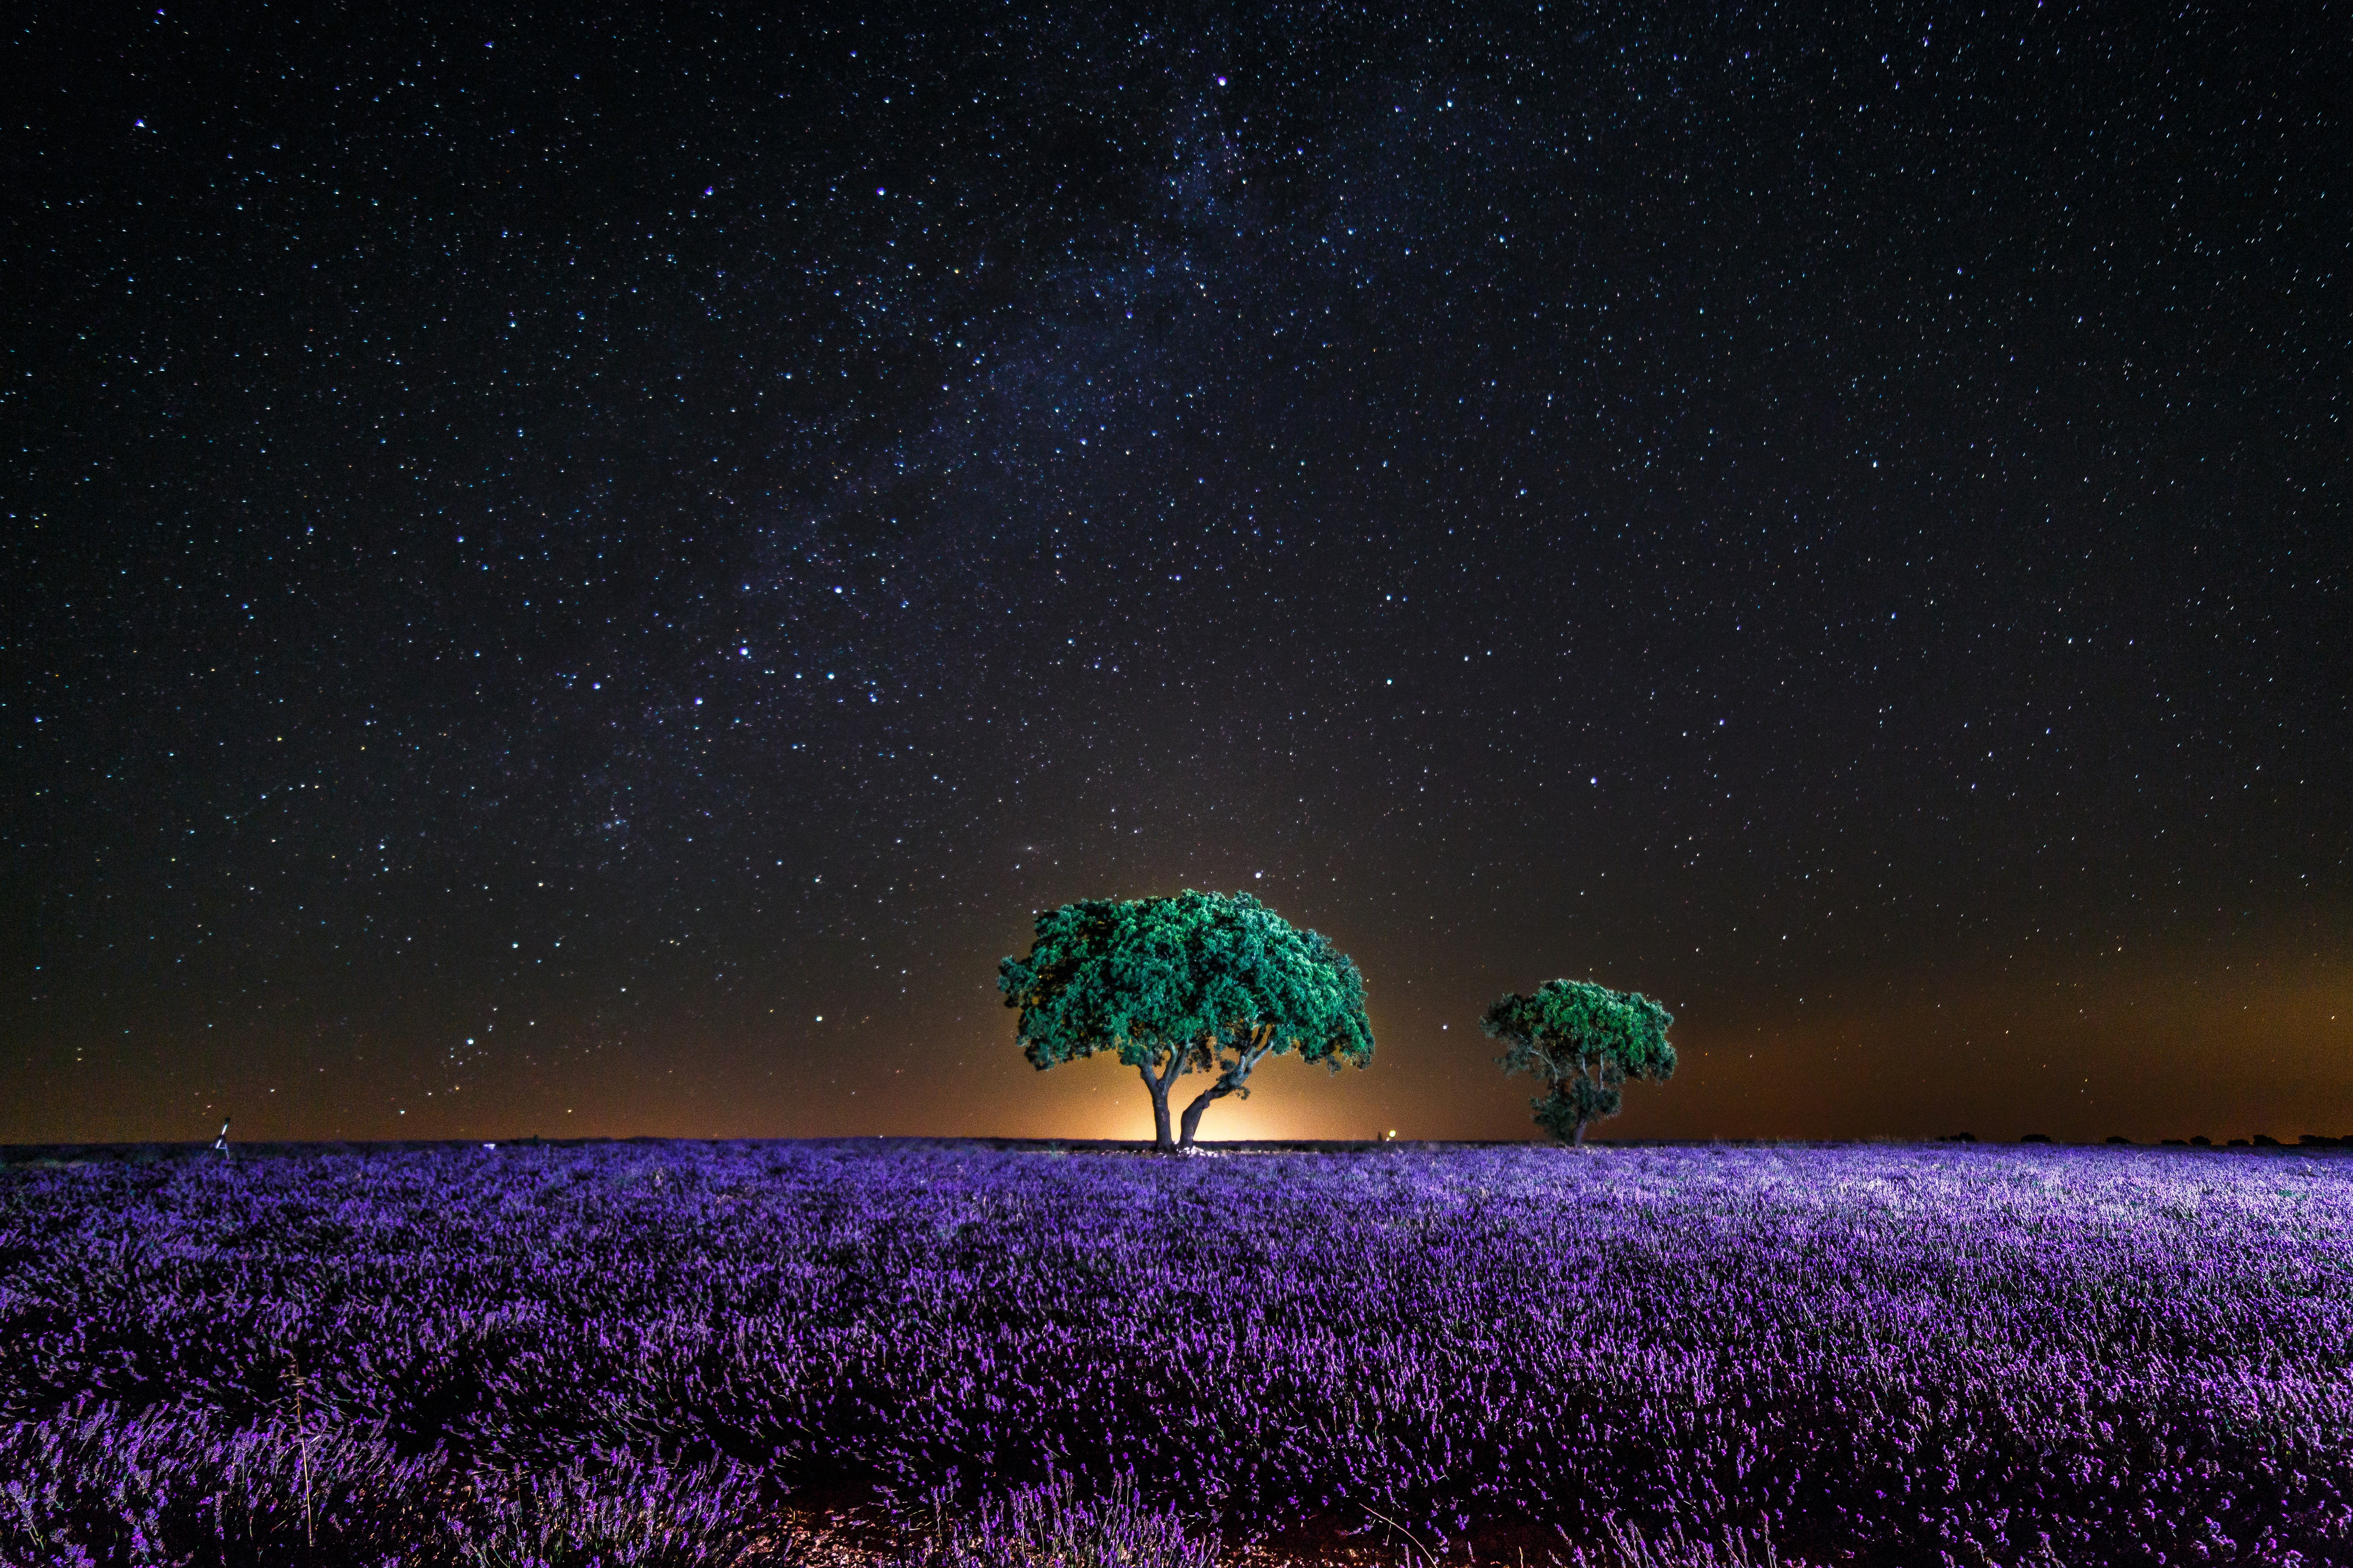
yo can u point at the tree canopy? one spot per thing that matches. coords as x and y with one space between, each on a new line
1194 983
1582 1041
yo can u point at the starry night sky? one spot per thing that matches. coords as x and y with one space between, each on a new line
586 573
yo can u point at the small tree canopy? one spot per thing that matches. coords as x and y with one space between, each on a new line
1196 983
1582 1041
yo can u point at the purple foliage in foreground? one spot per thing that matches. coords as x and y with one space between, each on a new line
628 1354
1057 1523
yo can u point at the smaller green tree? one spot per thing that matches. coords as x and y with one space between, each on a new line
1582 1041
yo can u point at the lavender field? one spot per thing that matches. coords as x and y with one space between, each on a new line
690 1353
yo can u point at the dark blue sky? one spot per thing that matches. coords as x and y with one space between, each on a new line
588 571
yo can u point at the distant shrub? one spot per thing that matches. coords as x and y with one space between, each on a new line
1582 1041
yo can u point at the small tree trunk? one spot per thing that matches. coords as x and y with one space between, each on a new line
1226 1084
1193 1112
1577 1140
1162 1140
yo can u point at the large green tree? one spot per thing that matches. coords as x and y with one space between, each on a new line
1196 983
1582 1041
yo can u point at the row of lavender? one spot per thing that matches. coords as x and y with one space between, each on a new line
1881 1353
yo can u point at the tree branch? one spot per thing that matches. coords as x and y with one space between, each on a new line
1175 1068
1232 1080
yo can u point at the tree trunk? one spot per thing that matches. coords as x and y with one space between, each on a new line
1158 1088
1193 1112
1226 1084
